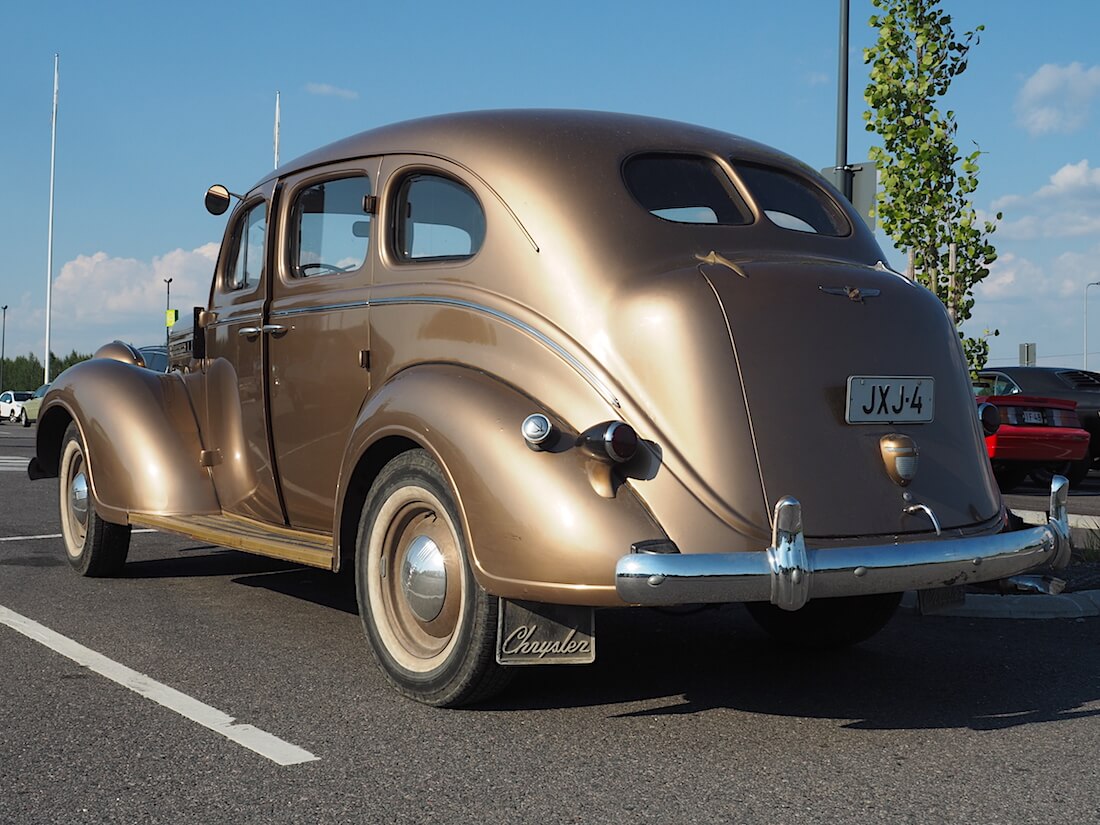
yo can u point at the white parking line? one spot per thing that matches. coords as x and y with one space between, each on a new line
263 743
55 536
13 463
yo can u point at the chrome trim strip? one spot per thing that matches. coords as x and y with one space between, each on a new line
289 313
787 573
546 341
237 319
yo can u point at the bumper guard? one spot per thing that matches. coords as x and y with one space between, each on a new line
788 574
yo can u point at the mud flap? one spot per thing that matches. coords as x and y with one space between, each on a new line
931 602
532 633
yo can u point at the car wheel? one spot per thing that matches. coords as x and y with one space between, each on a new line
1078 471
93 546
431 627
23 418
827 623
1009 477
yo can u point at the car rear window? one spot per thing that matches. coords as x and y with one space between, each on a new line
685 189
791 202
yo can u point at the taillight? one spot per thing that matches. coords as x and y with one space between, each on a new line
991 417
612 440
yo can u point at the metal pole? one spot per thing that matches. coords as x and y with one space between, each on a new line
49 234
276 128
3 335
1086 338
952 250
843 170
167 309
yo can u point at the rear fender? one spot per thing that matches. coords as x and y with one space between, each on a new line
140 434
535 525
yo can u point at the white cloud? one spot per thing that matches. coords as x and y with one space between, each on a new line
1066 207
817 78
97 298
328 90
1040 301
1073 178
1057 98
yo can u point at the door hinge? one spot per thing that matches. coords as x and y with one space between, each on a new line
364 358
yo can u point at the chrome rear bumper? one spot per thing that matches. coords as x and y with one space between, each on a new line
788 574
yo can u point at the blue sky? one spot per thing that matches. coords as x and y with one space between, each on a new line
158 101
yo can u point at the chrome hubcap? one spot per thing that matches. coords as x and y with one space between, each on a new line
424 578
78 499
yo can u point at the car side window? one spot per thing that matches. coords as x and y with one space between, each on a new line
437 219
330 227
248 259
1003 385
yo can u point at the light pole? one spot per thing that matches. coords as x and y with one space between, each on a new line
3 335
167 309
1086 341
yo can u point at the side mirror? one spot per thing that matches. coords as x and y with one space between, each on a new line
217 199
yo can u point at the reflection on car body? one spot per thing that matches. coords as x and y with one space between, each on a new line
510 367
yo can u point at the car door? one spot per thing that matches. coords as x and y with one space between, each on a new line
319 339
244 475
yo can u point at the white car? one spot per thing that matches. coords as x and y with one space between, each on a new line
11 404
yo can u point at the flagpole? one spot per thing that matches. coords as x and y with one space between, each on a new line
49 234
276 128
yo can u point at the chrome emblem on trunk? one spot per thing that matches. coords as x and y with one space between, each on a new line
853 293
899 454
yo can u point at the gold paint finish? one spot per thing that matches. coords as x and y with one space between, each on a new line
713 342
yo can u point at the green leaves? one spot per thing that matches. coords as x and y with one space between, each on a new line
925 204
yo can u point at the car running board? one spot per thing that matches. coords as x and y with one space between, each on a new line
238 533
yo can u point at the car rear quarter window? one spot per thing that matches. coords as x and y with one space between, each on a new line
685 189
330 228
791 202
437 219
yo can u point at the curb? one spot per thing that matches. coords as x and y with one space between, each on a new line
1082 605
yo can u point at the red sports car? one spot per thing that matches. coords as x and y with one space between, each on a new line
1034 432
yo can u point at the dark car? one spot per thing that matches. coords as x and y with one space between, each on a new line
1081 386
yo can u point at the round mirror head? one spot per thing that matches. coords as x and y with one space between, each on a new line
217 199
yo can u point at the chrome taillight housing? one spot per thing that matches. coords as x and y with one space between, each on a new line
611 440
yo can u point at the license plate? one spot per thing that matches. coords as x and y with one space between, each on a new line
1033 416
874 399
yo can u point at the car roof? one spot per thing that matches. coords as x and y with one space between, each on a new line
518 138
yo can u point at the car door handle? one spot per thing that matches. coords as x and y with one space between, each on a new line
275 329
249 332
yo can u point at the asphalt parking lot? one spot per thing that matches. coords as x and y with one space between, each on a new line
684 718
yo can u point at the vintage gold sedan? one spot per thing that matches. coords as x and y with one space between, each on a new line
510 367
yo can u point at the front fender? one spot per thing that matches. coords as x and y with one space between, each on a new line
535 526
140 435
